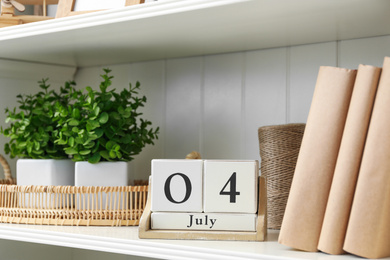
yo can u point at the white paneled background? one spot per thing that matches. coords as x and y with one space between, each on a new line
212 104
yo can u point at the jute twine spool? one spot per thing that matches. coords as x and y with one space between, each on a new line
279 148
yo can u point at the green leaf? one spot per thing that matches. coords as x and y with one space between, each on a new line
70 151
73 122
121 110
60 142
78 140
85 152
22 144
71 141
76 113
99 132
95 158
110 145
114 115
126 139
112 154
37 151
105 154
103 118
89 145
96 111
77 158
37 146
127 112
37 111
92 124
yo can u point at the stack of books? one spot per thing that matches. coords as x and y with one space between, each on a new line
340 197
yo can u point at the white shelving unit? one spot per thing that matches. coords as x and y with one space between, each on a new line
170 29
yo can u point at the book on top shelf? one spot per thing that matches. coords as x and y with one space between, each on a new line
316 162
348 161
369 224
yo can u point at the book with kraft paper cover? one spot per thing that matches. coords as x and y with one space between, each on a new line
369 224
348 161
316 162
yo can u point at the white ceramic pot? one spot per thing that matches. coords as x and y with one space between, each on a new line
102 174
43 172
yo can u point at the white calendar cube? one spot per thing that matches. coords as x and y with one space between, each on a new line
177 185
230 186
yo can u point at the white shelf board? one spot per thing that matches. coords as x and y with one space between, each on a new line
124 240
180 28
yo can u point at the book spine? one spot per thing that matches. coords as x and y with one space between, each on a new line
348 162
316 162
368 227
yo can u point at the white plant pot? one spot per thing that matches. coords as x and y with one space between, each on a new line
103 174
43 172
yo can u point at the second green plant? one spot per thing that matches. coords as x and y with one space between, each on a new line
104 125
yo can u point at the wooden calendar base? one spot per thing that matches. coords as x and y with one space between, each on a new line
145 230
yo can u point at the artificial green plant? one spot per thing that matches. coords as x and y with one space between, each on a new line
104 125
32 130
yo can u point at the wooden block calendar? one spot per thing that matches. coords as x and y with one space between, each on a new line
205 199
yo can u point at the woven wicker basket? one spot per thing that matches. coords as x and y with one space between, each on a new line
279 148
70 205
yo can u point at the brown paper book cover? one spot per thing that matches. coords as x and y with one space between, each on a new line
368 232
316 162
348 161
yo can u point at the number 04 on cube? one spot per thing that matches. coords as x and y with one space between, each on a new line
210 195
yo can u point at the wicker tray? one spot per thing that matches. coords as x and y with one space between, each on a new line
70 205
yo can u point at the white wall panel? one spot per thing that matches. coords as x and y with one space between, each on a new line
151 76
368 51
35 71
183 107
304 64
222 106
88 77
265 95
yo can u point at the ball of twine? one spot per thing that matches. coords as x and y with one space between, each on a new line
193 155
279 149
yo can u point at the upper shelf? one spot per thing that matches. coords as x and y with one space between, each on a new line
177 28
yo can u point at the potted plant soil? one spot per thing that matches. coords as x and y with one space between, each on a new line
102 130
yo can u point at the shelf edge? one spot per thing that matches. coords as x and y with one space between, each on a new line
144 248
